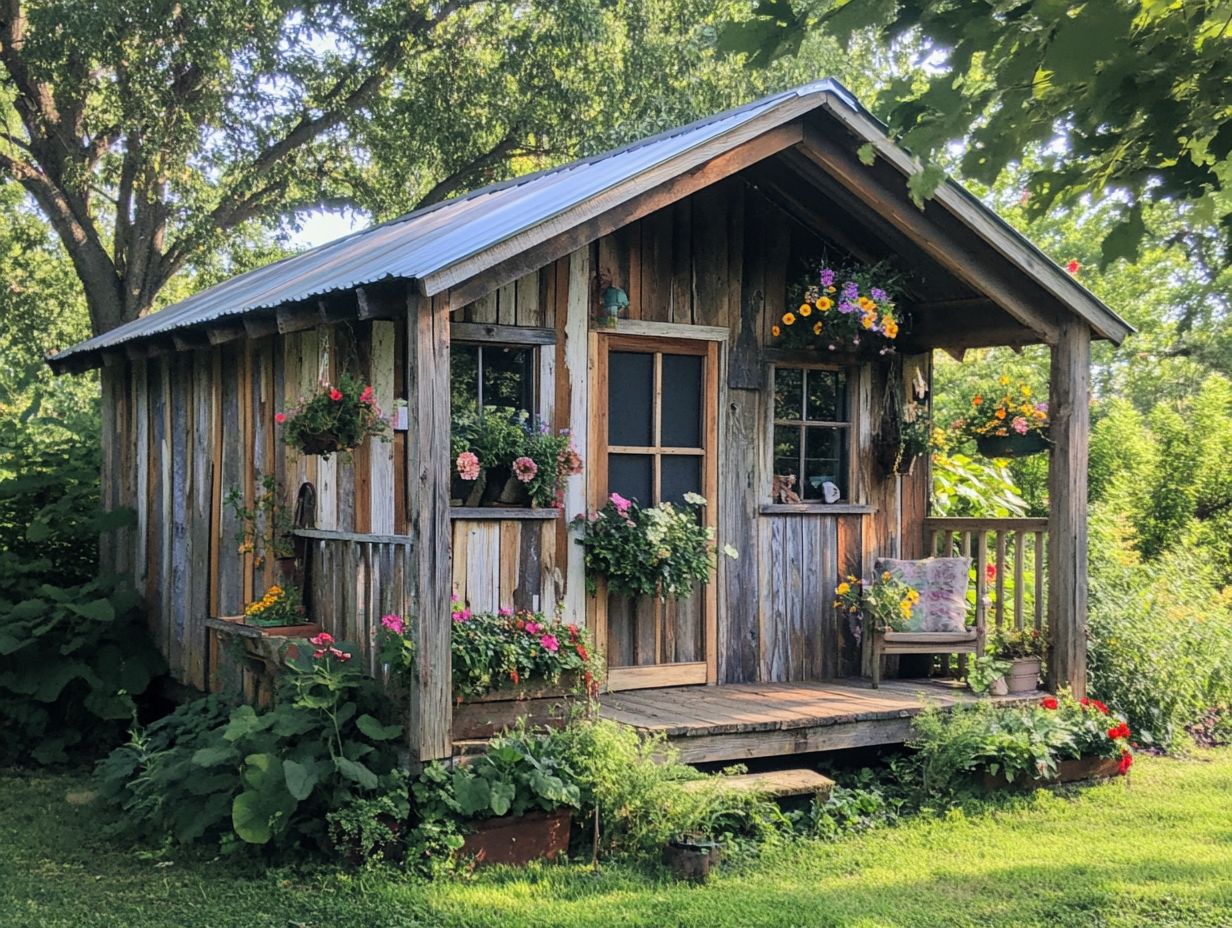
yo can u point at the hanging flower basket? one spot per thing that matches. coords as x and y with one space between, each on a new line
1013 445
337 419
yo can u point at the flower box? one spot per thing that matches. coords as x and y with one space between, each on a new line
518 839
1012 445
542 705
1076 770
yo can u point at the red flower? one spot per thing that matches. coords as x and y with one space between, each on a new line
582 652
367 397
991 572
1100 706
335 394
280 417
1049 702
1118 731
573 631
1073 266
1127 761
513 675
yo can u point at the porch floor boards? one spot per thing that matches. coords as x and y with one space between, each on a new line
745 720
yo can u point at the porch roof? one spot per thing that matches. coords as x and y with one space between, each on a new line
449 243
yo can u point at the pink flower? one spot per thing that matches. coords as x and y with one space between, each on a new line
525 468
569 461
532 628
394 623
367 397
343 656
1020 425
323 640
319 653
280 417
461 615
504 611
549 643
622 505
335 394
468 466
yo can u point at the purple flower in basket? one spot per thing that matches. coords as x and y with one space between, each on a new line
827 277
878 295
846 307
851 290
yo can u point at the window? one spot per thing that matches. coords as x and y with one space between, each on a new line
811 429
487 377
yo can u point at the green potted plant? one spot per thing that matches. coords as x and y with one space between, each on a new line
1025 650
659 551
886 600
502 459
1007 422
987 675
337 418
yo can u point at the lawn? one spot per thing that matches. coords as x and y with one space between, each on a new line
1156 853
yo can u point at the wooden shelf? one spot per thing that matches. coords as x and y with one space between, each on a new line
496 512
816 509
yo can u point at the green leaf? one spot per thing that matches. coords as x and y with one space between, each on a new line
924 183
473 794
100 610
375 730
214 755
263 772
502 793
353 770
1125 238
867 154
301 778
250 817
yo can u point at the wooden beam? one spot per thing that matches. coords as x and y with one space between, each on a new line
380 301
221 334
538 247
298 317
1070 426
190 339
923 227
958 330
430 715
260 324
505 334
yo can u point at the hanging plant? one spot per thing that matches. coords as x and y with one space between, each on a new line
844 309
1006 422
335 419
904 432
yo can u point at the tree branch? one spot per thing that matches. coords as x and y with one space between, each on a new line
447 185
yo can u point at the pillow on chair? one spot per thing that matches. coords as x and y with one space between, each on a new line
942 584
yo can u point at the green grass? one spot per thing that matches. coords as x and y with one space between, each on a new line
1157 853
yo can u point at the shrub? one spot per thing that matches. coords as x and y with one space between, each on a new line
73 647
272 777
1160 635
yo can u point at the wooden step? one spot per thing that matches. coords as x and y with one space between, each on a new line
773 784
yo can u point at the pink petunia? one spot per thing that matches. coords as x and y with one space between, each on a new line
1020 425
622 505
532 628
550 643
323 640
394 623
335 394
342 656
468 466
367 397
504 611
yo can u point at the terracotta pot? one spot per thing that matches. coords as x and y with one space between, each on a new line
691 859
1012 445
1023 676
518 839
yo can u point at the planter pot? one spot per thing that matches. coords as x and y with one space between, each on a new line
999 687
1012 445
691 859
323 443
1077 770
1023 676
518 839
489 714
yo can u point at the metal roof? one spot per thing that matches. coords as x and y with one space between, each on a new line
431 240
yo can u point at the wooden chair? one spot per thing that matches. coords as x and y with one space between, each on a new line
970 641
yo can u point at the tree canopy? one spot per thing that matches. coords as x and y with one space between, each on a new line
1128 98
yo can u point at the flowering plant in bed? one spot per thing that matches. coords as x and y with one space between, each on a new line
279 606
842 309
887 600
336 418
394 647
661 550
1007 421
499 650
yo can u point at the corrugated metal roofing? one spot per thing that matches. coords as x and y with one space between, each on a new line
434 239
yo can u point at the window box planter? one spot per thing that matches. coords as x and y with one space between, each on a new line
1077 770
1012 445
516 840
540 704
1023 676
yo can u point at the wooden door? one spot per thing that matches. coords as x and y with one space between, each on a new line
653 439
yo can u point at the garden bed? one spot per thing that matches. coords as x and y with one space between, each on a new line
491 713
516 840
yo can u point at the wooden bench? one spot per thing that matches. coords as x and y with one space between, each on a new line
889 642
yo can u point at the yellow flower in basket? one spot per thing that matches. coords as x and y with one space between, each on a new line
789 319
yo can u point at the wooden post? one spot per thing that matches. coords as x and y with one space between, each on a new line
430 716
1067 502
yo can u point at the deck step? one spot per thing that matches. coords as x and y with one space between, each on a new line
773 784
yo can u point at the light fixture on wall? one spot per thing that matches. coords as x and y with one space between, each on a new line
613 302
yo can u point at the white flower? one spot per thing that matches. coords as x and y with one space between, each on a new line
731 552
695 499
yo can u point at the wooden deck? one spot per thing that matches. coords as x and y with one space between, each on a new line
739 721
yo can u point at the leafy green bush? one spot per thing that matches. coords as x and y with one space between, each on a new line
209 773
1160 635
73 647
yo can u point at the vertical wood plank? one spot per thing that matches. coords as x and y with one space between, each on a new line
572 368
381 454
327 466
202 516
509 551
529 308
506 305
235 466
139 380
179 651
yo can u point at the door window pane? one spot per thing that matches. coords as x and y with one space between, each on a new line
630 398
681 417
788 386
632 476
679 474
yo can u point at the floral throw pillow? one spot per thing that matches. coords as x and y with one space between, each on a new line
942 584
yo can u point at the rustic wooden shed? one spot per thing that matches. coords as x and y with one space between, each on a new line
703 227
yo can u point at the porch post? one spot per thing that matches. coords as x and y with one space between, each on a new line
1070 393
430 714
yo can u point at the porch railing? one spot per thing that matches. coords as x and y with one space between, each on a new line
1009 561
352 579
